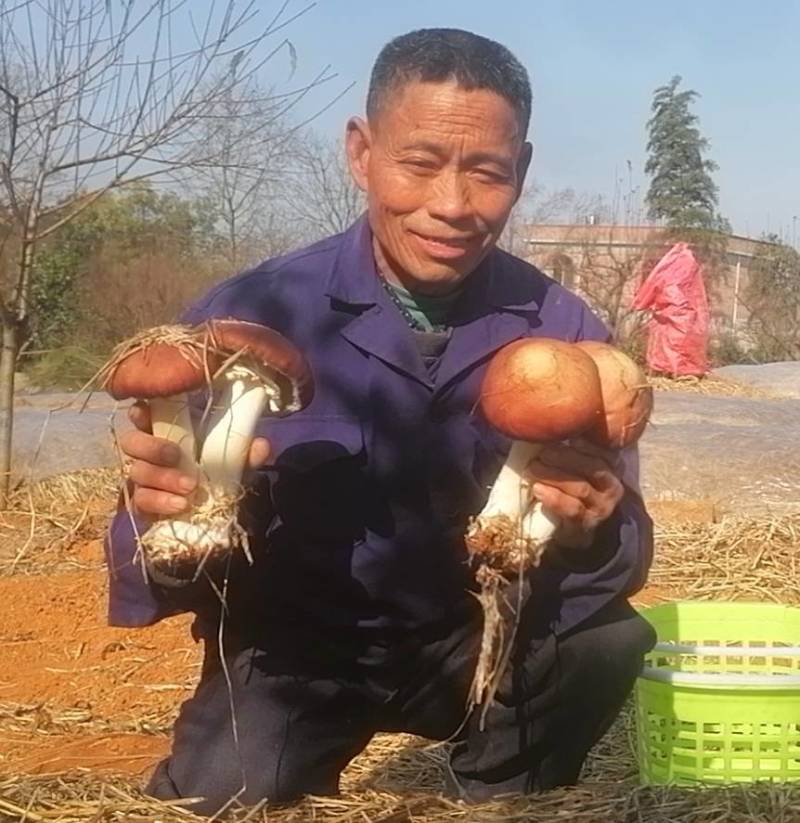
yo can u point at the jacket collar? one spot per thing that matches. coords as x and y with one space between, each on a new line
354 279
493 311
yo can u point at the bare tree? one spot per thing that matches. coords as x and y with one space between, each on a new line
538 205
609 268
772 300
96 94
320 194
255 137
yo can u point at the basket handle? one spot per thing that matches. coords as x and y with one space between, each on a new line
773 681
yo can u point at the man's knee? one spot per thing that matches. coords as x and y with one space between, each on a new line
611 648
226 785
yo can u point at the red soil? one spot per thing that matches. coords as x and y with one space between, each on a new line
71 687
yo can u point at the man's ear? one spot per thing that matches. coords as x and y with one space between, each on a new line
523 164
358 143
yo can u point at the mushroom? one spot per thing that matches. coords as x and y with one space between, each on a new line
627 397
248 369
162 365
535 390
539 390
264 371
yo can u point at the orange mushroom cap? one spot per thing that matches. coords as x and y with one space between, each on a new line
539 390
159 369
627 397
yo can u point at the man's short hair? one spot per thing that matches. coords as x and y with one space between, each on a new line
442 55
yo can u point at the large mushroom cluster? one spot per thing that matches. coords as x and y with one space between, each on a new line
241 371
536 391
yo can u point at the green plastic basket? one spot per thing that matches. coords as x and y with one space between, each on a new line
718 700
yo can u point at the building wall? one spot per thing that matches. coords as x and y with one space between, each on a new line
606 263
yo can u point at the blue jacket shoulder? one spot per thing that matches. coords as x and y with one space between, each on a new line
523 284
270 290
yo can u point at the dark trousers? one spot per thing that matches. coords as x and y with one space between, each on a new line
300 720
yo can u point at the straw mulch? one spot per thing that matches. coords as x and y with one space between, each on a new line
754 558
710 384
44 520
399 779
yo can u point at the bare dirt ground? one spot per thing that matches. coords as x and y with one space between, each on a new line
77 694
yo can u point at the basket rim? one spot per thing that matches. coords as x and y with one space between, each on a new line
676 649
760 682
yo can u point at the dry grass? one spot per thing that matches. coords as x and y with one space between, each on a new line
43 720
735 559
45 520
398 780
708 385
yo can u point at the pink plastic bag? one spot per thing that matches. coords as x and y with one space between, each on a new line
675 296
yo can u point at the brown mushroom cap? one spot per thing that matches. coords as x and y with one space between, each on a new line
271 352
158 363
627 397
540 389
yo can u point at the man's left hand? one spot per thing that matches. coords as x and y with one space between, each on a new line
578 484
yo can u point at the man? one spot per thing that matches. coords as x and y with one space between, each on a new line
357 615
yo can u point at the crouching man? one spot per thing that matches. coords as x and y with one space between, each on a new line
357 615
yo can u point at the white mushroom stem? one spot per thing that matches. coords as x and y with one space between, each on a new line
510 496
539 525
174 546
231 428
171 421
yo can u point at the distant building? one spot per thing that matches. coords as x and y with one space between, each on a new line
605 264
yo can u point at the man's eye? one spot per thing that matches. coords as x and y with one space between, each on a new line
420 163
492 175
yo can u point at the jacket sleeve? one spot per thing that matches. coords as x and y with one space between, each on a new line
578 583
133 599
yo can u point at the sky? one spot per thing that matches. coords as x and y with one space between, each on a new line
594 67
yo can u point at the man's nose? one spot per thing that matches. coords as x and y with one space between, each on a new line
449 197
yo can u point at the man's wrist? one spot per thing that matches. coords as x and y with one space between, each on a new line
574 537
586 550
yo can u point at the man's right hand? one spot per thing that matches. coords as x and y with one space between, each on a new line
160 489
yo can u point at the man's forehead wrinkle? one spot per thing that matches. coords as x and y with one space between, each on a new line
429 129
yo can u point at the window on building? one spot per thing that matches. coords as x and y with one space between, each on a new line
563 270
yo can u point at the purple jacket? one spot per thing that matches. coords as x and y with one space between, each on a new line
358 521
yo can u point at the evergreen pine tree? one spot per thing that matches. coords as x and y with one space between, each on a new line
682 192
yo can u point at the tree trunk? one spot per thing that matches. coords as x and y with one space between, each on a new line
8 362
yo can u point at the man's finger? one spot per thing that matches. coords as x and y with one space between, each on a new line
563 505
573 461
578 487
139 445
259 453
598 496
139 415
163 479
160 503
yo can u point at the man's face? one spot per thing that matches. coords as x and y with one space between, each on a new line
442 168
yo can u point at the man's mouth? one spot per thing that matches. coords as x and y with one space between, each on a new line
444 246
